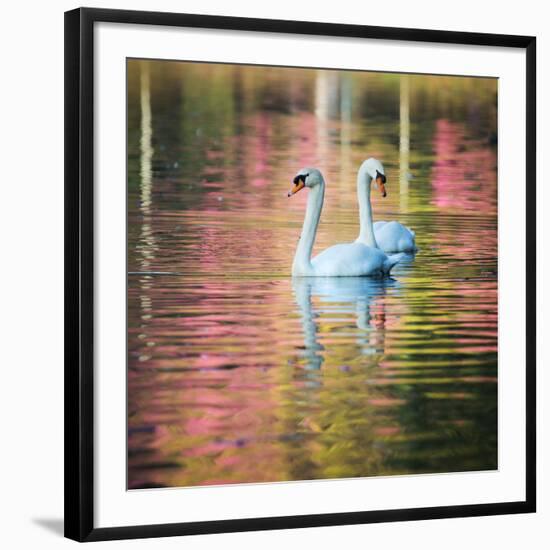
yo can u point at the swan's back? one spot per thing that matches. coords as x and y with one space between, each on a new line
394 237
352 260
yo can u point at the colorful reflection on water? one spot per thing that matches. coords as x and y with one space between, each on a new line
238 373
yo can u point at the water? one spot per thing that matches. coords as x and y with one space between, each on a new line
238 373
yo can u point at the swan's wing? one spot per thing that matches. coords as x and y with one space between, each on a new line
349 260
395 237
392 260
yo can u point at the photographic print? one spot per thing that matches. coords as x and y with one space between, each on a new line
312 274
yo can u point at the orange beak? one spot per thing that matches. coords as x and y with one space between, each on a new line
296 188
381 186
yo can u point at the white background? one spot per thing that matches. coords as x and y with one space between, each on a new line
31 224
114 505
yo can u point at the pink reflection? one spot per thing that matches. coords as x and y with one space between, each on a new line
463 177
261 148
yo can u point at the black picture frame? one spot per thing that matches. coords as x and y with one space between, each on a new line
79 272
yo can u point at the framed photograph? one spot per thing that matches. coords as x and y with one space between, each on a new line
300 274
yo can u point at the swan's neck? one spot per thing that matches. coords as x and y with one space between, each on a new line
366 229
302 258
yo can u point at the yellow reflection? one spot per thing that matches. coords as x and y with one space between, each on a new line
146 138
346 105
404 141
322 112
147 242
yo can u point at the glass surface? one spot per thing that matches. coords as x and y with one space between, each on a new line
238 372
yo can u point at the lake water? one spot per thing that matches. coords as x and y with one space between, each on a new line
238 373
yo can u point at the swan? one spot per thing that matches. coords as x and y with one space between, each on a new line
341 260
388 236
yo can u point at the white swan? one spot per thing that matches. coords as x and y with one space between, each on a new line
388 236
341 260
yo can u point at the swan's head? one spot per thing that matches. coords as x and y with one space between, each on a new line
373 167
306 177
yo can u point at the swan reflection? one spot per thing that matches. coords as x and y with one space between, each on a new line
338 300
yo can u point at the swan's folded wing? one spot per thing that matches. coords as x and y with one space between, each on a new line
395 237
391 261
378 225
349 260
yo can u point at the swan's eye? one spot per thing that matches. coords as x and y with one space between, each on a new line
300 178
381 176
